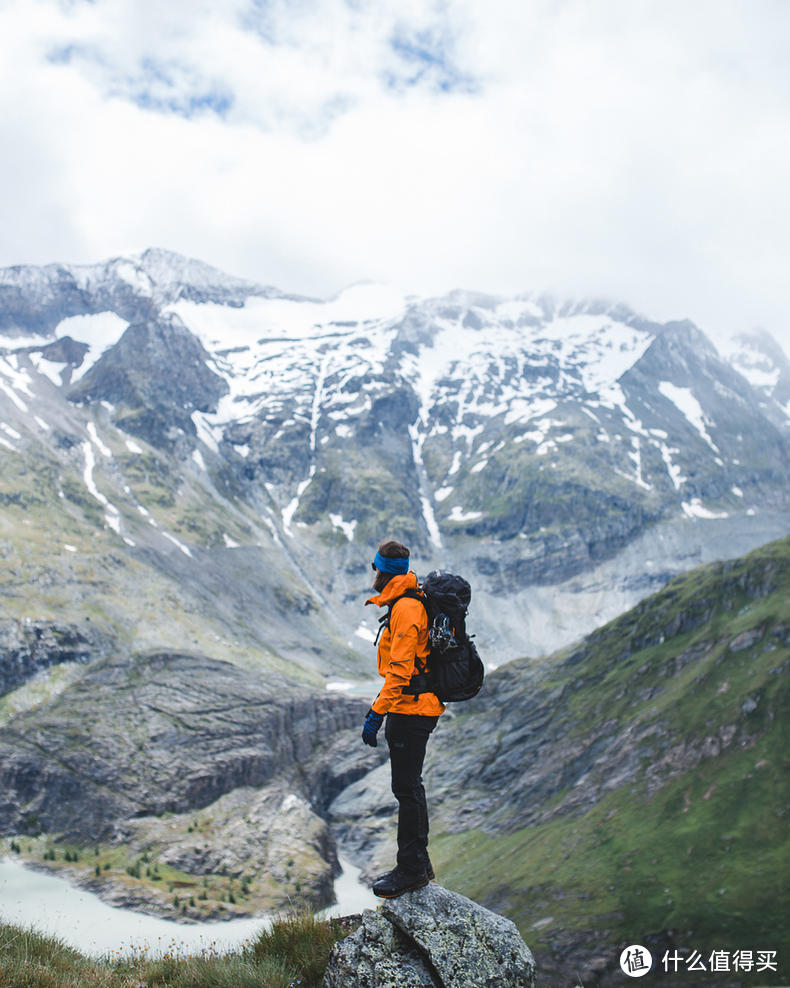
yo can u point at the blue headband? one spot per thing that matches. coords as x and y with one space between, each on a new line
387 565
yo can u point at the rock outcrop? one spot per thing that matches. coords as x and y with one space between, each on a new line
28 647
433 938
165 732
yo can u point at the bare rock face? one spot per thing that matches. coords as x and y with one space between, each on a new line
137 374
164 732
27 647
377 955
432 937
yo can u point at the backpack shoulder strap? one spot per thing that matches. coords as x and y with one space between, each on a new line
384 620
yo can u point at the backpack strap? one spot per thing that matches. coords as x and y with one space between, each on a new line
384 622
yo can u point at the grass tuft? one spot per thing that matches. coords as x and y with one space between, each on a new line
293 953
304 942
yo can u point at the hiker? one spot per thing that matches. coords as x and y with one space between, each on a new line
410 718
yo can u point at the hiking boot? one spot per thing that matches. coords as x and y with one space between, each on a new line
397 882
387 874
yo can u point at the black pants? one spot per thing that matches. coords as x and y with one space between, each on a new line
407 736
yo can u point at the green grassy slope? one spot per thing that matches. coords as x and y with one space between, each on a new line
681 834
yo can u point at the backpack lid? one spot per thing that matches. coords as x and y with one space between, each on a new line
449 591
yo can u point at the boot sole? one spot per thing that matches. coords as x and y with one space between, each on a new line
394 895
431 877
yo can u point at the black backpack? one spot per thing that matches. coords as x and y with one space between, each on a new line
452 670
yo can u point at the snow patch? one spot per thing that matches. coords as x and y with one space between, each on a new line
49 368
197 456
696 509
20 380
458 514
181 546
636 456
229 543
18 342
674 471
601 348
684 400
132 446
523 410
112 515
100 331
347 527
104 450
87 476
755 365
290 510
427 507
456 464
260 319
207 432
13 396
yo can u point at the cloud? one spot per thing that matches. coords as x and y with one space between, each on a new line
628 148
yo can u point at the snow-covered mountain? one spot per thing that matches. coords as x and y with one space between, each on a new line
765 366
247 449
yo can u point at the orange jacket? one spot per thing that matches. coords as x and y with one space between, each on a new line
406 637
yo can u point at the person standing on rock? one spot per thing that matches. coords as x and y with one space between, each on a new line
410 719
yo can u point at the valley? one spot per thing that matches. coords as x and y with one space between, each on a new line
194 473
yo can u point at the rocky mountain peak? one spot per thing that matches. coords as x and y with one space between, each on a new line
764 364
174 276
137 375
523 440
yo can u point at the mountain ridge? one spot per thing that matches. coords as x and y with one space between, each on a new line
525 441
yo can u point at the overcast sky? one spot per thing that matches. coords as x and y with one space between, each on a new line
626 148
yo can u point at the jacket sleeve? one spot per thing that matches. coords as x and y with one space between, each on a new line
403 648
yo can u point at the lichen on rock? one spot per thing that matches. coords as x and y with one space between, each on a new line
432 937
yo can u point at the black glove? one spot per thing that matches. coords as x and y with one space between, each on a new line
373 722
